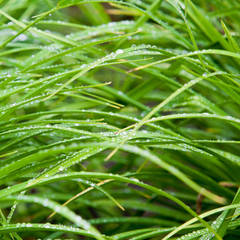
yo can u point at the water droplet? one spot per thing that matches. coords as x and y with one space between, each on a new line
119 51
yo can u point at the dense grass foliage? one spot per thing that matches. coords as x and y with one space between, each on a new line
119 119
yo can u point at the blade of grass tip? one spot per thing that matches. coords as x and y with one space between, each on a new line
3 219
97 186
231 40
8 154
13 208
204 215
142 165
26 27
176 5
112 103
95 85
206 26
5 223
126 128
227 218
86 191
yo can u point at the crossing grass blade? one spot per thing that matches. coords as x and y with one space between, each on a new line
150 86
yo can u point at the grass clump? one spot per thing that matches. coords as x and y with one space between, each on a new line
119 119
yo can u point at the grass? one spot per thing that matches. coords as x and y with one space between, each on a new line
119 119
